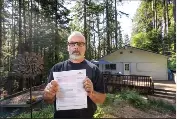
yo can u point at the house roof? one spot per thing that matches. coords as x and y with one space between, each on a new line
128 46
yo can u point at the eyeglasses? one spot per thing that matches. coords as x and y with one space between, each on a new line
80 44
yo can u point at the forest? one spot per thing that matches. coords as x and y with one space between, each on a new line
42 27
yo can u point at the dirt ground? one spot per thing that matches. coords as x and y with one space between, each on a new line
21 99
131 112
124 110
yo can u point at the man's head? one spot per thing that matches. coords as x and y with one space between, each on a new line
76 46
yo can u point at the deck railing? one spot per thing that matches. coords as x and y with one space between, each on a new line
144 84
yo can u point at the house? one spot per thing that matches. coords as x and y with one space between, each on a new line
134 61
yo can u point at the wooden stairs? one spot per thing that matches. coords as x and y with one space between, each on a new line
164 93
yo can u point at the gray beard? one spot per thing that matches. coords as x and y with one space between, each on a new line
76 57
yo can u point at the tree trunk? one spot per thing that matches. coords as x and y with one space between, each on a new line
56 32
164 17
104 42
108 27
24 21
30 27
1 5
35 41
98 28
116 40
20 28
88 43
38 25
12 33
14 27
41 22
95 56
167 15
94 41
155 13
110 41
85 24
164 26
89 50
167 23
174 16
120 39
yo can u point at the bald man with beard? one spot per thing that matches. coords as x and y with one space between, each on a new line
93 84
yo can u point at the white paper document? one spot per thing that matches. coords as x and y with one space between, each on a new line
72 93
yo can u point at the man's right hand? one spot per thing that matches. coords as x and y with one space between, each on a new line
50 91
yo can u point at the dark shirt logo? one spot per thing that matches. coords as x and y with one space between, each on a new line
79 73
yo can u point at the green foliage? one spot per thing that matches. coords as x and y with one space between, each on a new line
155 41
95 8
128 96
138 101
148 41
133 98
140 20
139 40
161 106
43 113
172 61
109 99
75 25
96 29
99 112
149 31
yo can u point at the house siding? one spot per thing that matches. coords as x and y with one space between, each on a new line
141 63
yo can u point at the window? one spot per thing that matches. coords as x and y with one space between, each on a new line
127 67
113 66
107 66
110 66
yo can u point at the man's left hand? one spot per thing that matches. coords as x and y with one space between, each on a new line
88 85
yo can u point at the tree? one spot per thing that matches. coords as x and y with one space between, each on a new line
116 25
153 21
174 16
107 28
36 24
126 39
1 6
101 38
148 41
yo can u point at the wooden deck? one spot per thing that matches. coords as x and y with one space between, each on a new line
143 84
166 85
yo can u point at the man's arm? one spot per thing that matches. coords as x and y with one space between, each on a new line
47 100
96 89
97 97
98 94
49 91
46 96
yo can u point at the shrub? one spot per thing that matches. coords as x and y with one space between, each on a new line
99 112
109 99
133 98
46 112
160 104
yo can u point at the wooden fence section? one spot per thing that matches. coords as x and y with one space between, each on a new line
143 84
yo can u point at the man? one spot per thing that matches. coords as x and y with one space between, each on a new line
93 83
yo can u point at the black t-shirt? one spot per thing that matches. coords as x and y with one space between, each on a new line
93 74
